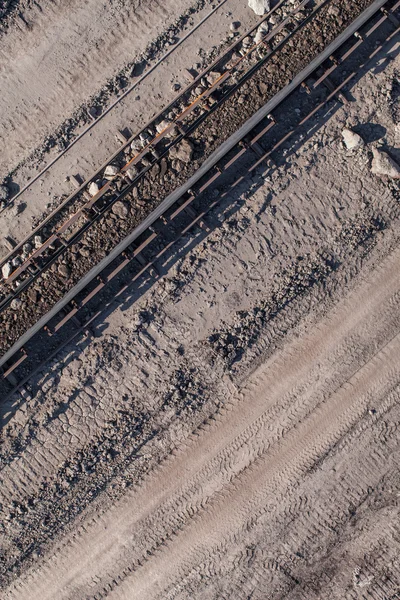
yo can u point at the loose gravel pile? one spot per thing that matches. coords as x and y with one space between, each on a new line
111 229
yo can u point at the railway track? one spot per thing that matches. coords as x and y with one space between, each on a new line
186 207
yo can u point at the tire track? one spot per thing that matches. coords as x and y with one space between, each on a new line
234 525
214 443
299 535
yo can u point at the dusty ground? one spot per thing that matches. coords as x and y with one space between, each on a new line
234 433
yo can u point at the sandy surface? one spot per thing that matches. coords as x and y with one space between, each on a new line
253 467
234 432
74 49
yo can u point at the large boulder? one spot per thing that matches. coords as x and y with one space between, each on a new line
260 7
384 165
6 270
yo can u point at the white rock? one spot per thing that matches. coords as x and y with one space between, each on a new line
132 172
384 165
177 165
136 146
64 270
16 261
111 171
212 77
145 138
260 7
247 42
3 192
261 32
93 188
16 303
37 240
6 270
351 139
163 125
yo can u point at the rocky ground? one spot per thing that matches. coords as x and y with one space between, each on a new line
234 432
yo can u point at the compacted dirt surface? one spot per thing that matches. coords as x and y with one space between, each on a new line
300 463
232 431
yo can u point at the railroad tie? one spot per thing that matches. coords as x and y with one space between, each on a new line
193 215
331 88
76 181
9 242
152 269
392 18
12 379
121 137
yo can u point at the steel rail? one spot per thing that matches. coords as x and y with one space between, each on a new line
55 237
85 328
220 153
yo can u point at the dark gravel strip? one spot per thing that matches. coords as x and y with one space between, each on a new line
111 229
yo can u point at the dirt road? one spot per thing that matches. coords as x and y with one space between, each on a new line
312 403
